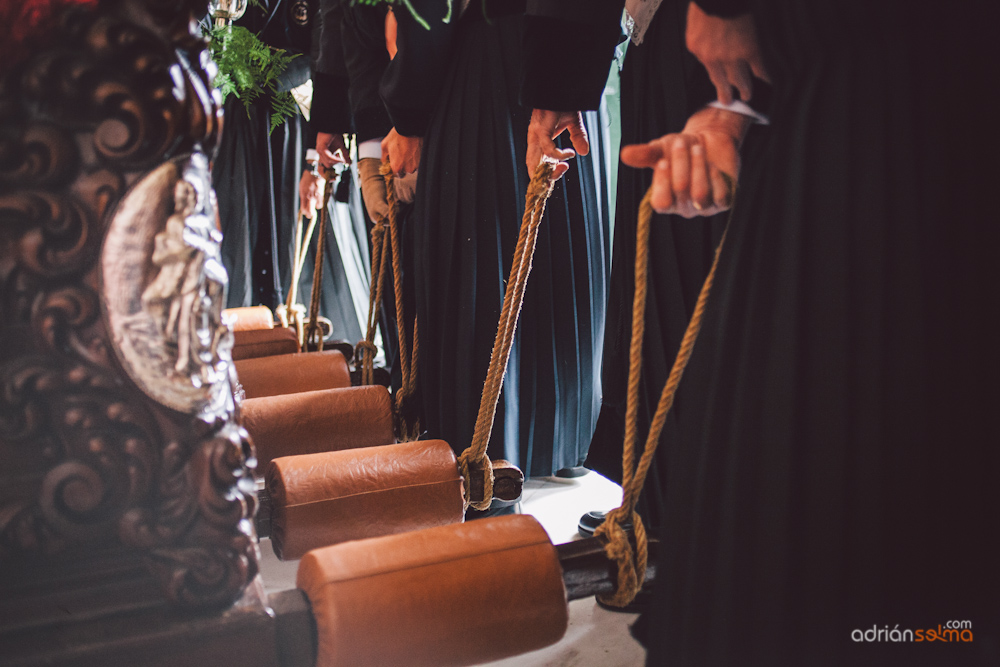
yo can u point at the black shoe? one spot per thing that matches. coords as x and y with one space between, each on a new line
638 605
497 508
571 473
591 520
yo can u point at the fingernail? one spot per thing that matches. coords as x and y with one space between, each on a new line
697 150
697 206
662 164
679 143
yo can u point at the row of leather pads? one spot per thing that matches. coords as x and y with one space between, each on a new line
405 580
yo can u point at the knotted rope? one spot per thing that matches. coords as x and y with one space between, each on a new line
365 350
408 355
314 331
293 314
632 564
475 457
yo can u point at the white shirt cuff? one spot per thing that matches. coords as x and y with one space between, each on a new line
370 148
742 108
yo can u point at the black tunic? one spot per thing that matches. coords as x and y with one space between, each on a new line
468 209
837 463
662 84
256 174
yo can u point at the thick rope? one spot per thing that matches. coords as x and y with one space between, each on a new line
408 354
314 330
293 314
365 351
474 457
632 564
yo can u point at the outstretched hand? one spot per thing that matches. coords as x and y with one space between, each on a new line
728 50
544 127
693 170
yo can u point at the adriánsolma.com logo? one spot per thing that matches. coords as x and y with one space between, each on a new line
952 631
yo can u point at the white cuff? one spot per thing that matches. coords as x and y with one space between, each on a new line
742 108
370 148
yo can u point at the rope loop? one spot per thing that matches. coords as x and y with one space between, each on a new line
467 462
539 190
632 562
408 426
314 330
366 351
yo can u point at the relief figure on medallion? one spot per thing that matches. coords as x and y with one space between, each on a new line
186 294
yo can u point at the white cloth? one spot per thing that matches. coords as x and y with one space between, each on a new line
370 148
639 14
742 108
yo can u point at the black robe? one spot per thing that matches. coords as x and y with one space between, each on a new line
470 198
256 174
662 85
837 463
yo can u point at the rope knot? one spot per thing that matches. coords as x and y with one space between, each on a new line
618 548
468 462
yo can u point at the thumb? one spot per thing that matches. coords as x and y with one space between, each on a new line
578 135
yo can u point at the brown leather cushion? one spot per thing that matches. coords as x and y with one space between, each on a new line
250 318
318 421
453 595
291 373
333 497
264 342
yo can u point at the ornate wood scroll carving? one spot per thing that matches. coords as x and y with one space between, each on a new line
116 419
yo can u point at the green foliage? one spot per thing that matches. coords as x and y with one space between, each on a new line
249 68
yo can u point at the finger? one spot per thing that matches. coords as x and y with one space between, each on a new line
722 191
701 193
643 156
533 157
680 167
722 88
385 149
340 156
662 197
396 162
738 74
411 163
326 158
549 149
558 171
578 135
758 69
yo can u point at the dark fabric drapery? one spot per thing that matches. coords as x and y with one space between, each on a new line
469 203
837 456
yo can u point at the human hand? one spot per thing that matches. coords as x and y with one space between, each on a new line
728 50
332 149
690 168
373 188
402 152
546 126
308 194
